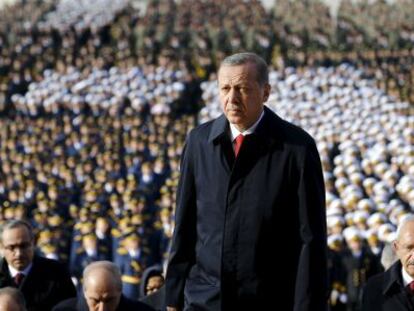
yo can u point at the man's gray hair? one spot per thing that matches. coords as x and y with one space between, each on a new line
388 256
262 72
405 219
15 295
12 224
106 266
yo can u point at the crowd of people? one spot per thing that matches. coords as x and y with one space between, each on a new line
95 107
76 157
193 36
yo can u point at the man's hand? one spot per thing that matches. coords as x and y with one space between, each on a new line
172 309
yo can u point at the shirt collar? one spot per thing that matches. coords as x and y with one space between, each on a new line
13 271
235 132
407 279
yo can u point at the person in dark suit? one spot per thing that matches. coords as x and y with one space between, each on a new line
102 290
360 264
393 290
241 199
152 289
43 282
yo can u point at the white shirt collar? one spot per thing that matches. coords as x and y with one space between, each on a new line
26 271
134 253
235 132
407 279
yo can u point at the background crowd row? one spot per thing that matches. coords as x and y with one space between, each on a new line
96 104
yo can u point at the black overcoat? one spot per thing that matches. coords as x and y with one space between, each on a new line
249 231
79 304
386 292
47 283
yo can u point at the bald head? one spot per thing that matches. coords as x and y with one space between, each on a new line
11 299
104 271
102 286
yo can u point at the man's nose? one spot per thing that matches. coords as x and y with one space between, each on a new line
233 95
18 252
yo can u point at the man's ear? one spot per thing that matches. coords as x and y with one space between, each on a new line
395 246
266 92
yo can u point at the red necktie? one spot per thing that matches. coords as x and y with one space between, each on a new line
411 287
18 278
239 141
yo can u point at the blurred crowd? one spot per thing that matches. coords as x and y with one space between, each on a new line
193 36
96 101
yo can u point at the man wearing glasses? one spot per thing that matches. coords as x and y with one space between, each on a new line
43 282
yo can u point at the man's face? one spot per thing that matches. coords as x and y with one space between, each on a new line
241 96
355 245
154 283
404 247
17 247
102 296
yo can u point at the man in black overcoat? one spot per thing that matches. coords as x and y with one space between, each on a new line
393 290
250 220
43 282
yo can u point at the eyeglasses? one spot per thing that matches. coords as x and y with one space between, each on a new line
22 247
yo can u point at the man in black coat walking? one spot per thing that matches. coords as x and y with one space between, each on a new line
43 282
250 206
393 290
102 290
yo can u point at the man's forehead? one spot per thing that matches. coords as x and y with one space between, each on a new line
102 296
235 74
17 232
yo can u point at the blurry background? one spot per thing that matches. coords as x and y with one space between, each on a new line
96 99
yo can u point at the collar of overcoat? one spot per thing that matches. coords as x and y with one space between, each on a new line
269 130
393 279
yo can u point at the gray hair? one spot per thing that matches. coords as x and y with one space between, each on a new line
12 224
388 256
106 266
262 72
405 219
15 295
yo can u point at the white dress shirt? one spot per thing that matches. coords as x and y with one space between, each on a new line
407 279
234 132
14 272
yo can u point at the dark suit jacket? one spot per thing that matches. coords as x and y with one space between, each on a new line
386 292
47 283
79 304
156 300
245 225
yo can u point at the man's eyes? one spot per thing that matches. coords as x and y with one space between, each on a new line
237 88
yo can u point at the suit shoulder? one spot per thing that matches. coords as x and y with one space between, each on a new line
49 264
375 283
66 305
202 130
130 304
295 134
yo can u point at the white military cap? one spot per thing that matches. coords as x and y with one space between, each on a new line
352 233
376 218
384 230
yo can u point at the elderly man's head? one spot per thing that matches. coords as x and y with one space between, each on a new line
17 244
404 244
102 286
243 88
11 299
